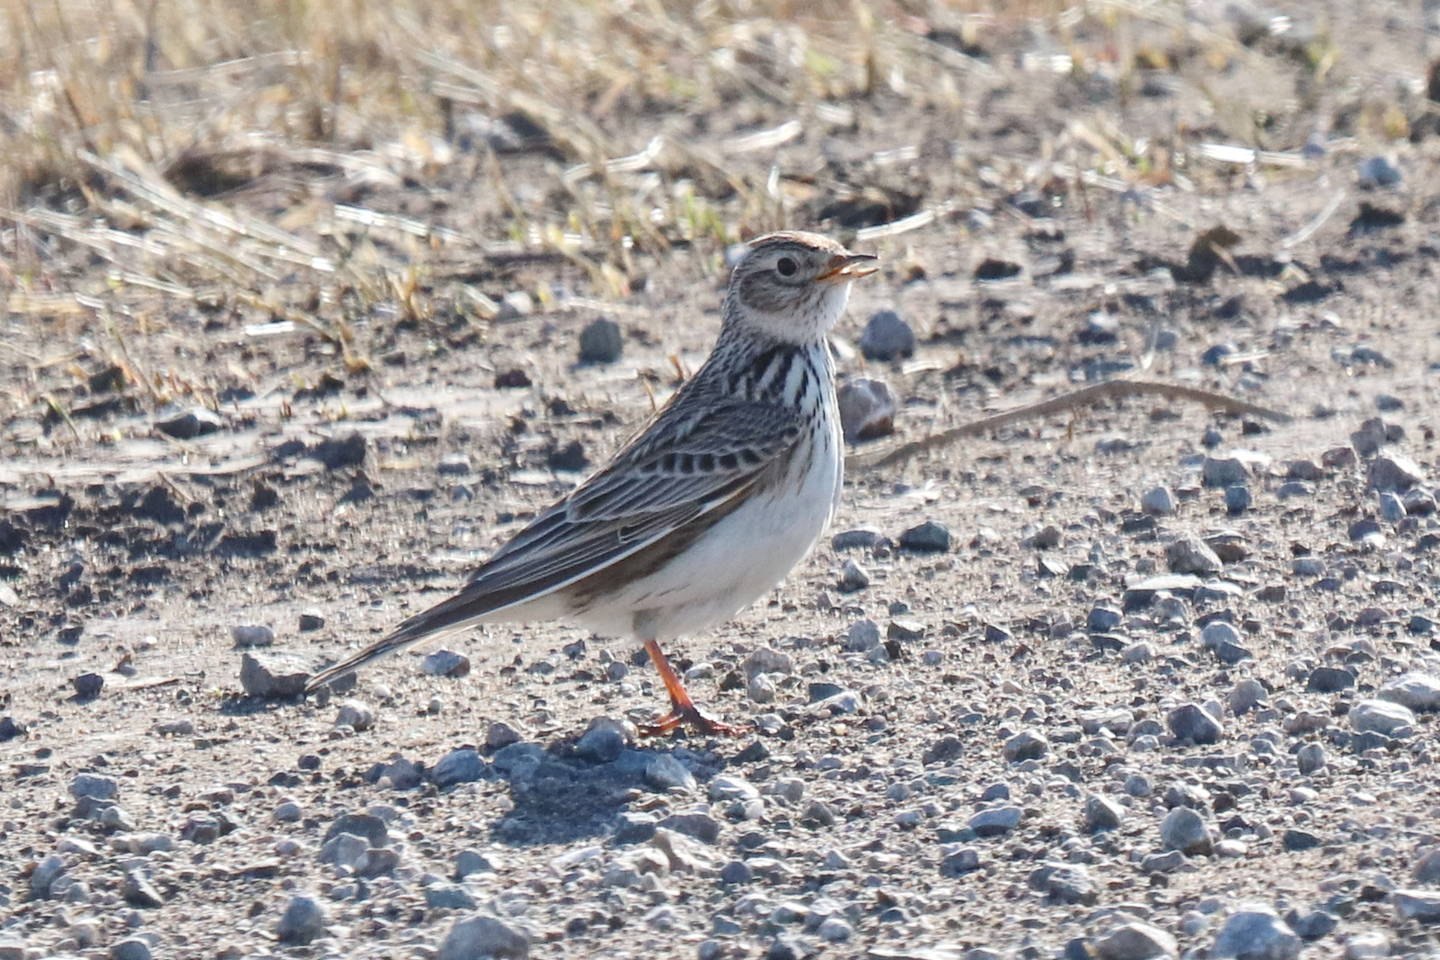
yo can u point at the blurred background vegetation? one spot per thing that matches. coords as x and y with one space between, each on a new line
305 161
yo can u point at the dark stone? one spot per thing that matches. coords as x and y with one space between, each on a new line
366 825
1329 680
512 379
569 457
928 537
601 341
337 452
88 685
943 750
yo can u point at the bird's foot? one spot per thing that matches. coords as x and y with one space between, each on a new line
694 719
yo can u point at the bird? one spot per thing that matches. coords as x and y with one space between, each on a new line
708 507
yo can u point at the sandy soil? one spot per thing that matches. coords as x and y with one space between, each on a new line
1025 674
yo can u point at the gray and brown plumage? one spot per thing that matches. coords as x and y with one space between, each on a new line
709 506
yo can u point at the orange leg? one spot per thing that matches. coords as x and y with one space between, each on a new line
683 711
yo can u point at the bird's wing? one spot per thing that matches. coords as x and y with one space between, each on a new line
693 458
684 466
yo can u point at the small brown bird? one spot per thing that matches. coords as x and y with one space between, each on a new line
709 506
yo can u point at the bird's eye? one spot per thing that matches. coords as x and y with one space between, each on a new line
786 267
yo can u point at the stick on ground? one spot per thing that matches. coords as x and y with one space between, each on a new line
1069 401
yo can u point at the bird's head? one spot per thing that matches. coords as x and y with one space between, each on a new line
793 286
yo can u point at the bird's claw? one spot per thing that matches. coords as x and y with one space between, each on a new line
694 719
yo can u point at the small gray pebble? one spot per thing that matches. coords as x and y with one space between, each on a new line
905 629
1025 745
454 464
1416 690
736 872
859 538
458 766
945 749
131 948
959 861
471 861
1378 171
366 825
887 337
93 786
1137 941
188 424
1310 758
1158 502
355 714
1184 830
1103 618
1295 840
1324 679
1417 904
664 772
43 877
601 341
1245 696
448 896
500 735
1294 489
1224 471
1138 785
302 922
343 850
1256 932
1312 925
602 740
1381 716
445 663
1167 862
727 786
1427 867
1191 555
995 821
1218 632
247 635
1138 652
928 537
88 685
482 938
1064 883
1394 473
1190 722
867 409
853 576
1102 813
138 891
274 676
760 689
863 636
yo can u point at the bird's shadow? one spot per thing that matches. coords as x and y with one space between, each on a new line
562 797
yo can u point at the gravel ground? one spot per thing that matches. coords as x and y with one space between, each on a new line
1137 681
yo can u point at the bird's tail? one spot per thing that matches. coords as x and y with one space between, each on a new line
445 617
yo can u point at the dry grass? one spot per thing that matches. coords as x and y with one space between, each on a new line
315 162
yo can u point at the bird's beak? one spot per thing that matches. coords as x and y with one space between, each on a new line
844 267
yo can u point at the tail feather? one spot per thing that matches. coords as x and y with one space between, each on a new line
453 614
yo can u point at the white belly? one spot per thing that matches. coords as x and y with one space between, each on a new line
734 563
